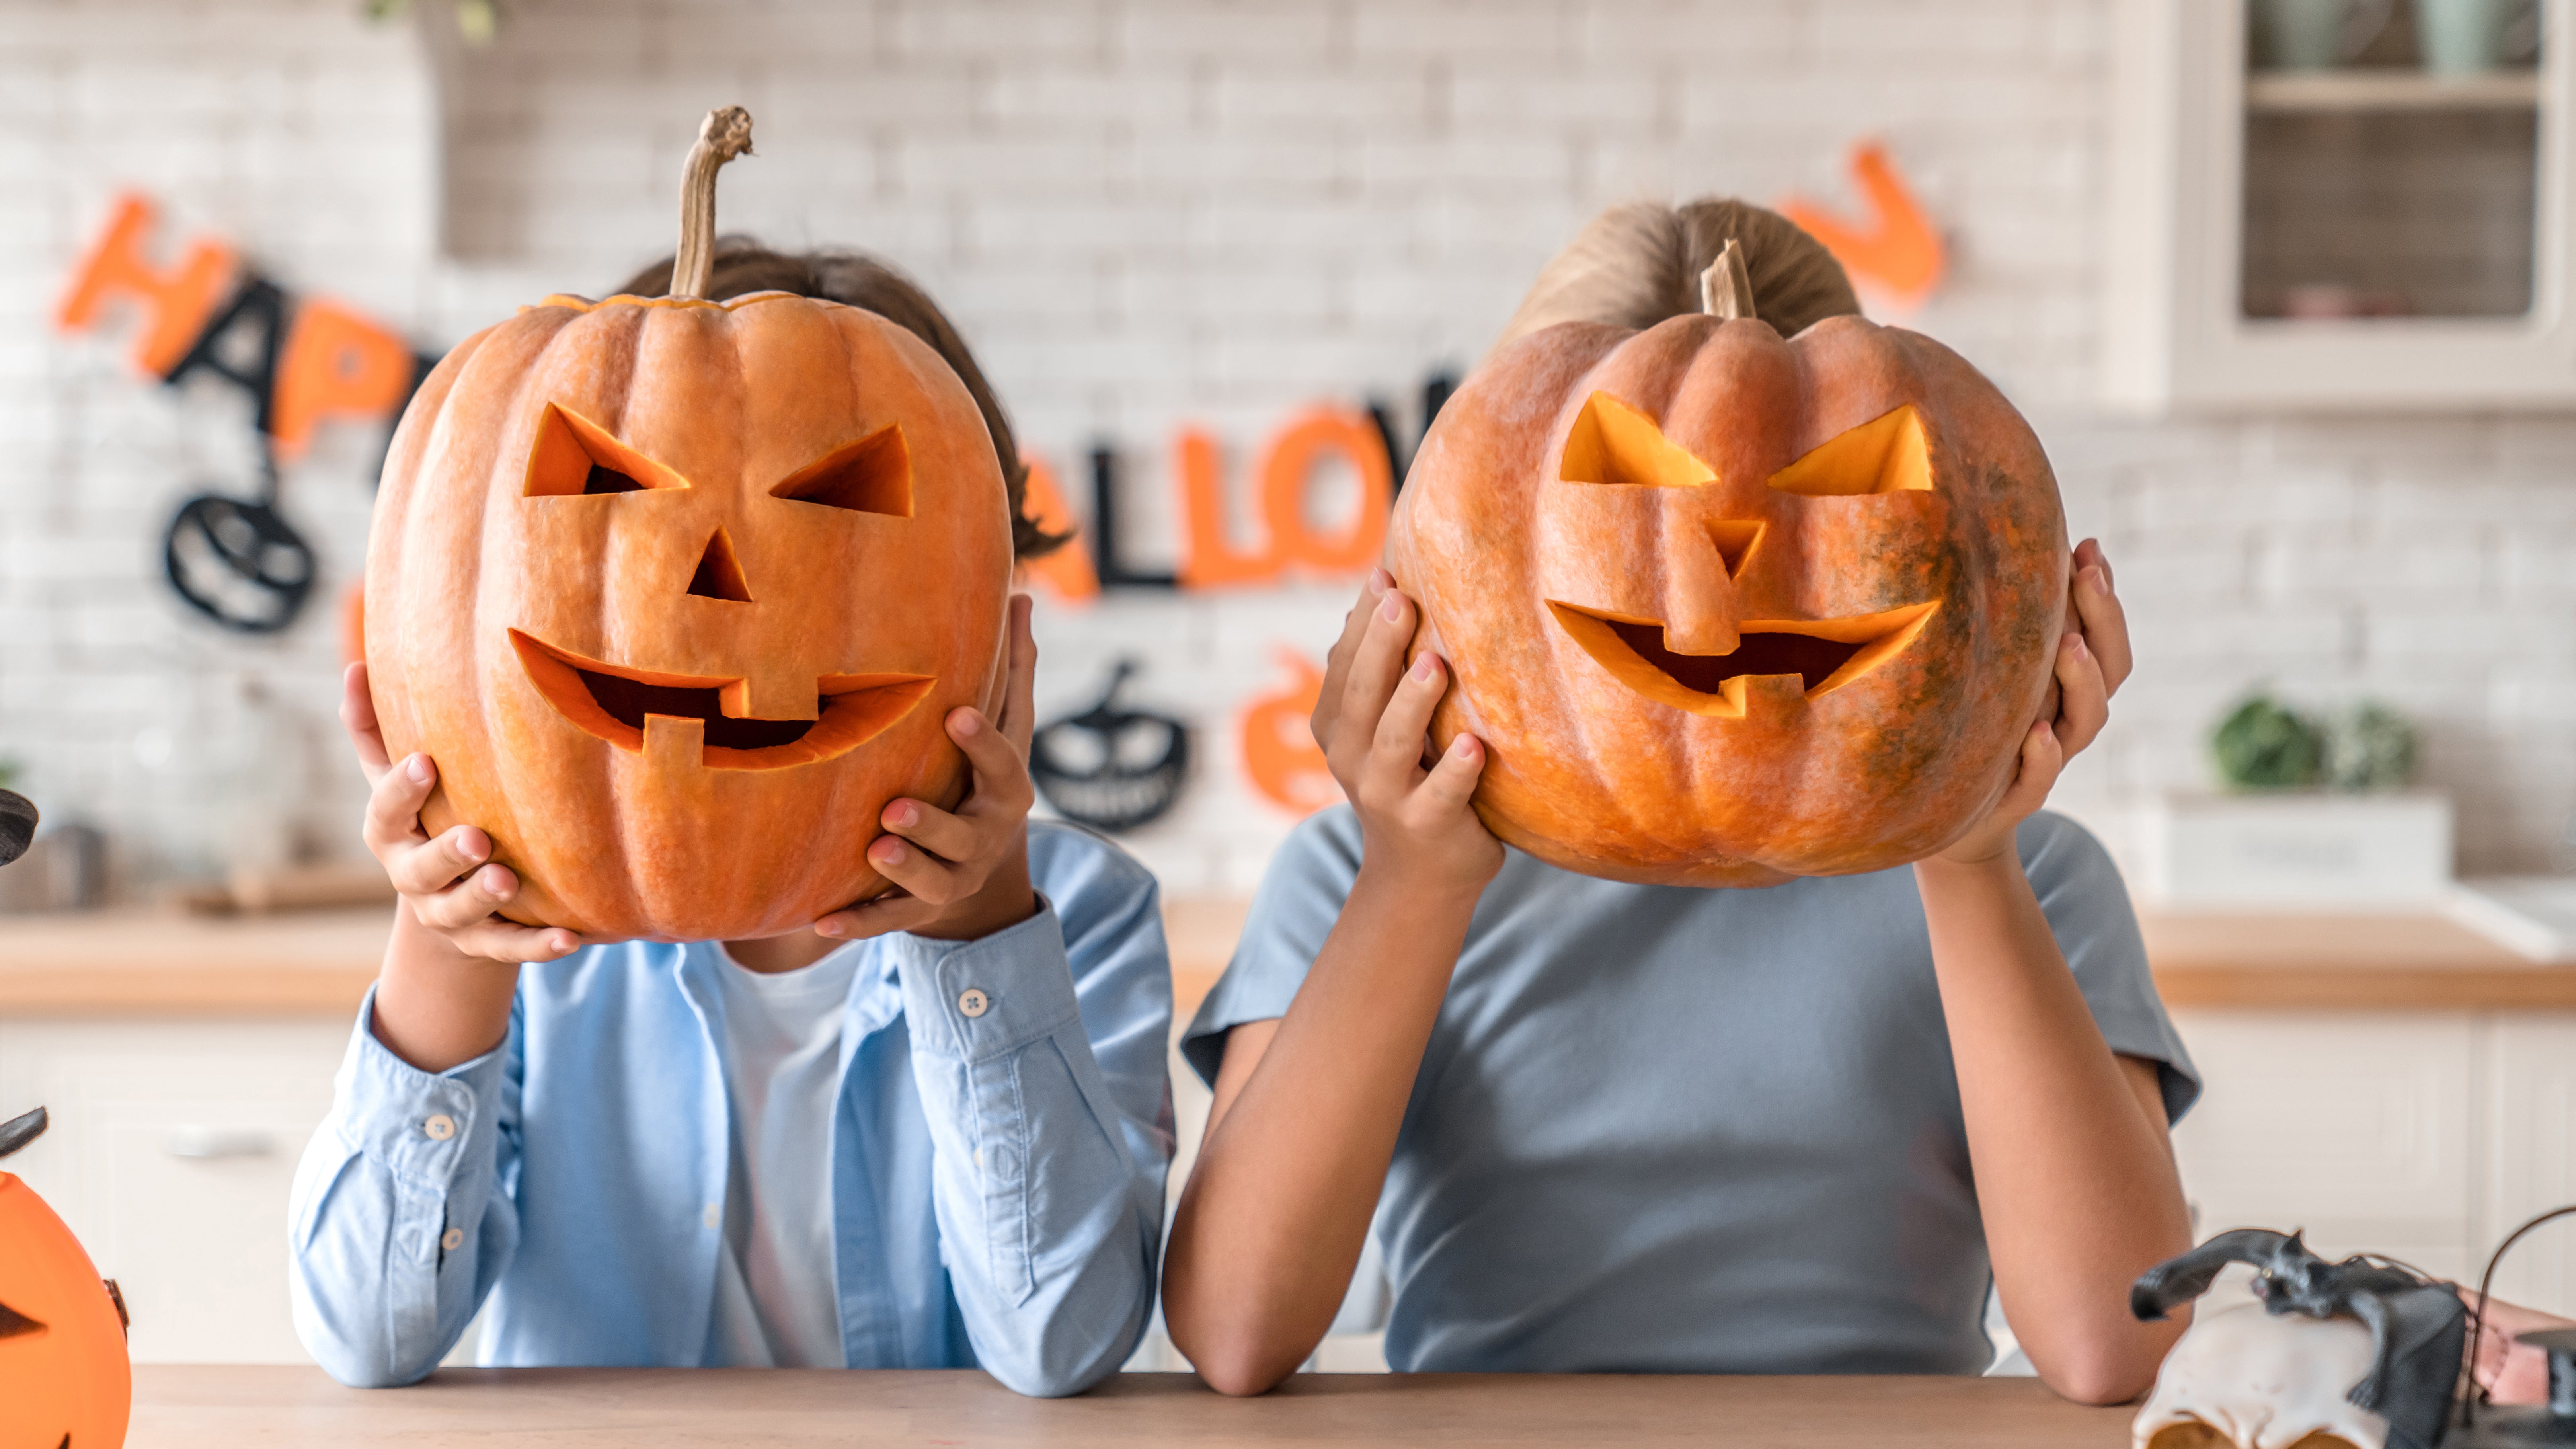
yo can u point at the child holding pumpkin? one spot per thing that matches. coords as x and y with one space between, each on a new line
930 1131
1611 1127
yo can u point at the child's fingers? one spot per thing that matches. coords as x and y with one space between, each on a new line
1395 755
1452 782
1375 670
1019 711
2083 700
468 901
2104 622
392 820
358 717
503 940
887 914
935 830
430 866
1001 765
922 875
2041 759
1337 662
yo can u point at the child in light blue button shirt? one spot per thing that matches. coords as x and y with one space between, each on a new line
930 1132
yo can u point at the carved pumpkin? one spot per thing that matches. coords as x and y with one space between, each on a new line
1728 608
65 1382
678 593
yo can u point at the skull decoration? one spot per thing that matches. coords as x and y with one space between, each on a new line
64 1377
2250 1379
678 593
1729 609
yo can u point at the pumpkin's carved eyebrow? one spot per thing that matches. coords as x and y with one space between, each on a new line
573 455
871 475
1612 442
1887 454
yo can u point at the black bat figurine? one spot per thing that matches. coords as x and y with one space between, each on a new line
2417 1327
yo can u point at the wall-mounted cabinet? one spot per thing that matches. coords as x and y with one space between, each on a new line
2371 219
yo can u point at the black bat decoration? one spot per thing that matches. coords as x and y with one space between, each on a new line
2417 1327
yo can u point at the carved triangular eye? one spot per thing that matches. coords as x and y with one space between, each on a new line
574 455
872 475
1884 455
1614 443
14 1324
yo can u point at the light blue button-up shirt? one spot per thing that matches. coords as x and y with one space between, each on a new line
997 1177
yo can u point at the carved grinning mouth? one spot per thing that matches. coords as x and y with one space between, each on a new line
1824 654
624 706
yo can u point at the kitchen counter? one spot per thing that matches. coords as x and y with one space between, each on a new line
318 963
298 1408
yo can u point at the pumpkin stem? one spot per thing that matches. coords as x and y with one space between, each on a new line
725 134
1726 289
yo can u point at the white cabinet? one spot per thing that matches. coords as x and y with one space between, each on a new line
2425 1136
2372 235
172 1148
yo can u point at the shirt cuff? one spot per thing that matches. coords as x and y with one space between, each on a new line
415 1123
973 1000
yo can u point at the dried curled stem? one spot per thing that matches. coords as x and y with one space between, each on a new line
725 134
1726 288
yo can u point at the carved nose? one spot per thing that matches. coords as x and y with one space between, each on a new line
1700 615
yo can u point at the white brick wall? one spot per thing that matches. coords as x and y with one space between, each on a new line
1146 212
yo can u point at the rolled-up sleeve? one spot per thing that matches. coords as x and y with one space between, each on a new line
1039 1053
400 1218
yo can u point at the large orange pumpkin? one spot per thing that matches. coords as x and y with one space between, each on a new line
64 1376
1728 608
678 593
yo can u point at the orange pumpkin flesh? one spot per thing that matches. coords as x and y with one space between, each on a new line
63 1365
1728 609
678 593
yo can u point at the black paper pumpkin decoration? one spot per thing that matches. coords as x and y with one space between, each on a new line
1111 768
17 825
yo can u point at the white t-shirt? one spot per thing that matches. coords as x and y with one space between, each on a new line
777 1302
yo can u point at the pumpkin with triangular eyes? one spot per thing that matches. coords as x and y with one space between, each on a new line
678 594
65 1381
1728 608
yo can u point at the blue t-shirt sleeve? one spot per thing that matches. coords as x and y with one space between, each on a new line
2088 909
1300 898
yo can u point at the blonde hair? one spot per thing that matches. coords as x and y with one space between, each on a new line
1636 265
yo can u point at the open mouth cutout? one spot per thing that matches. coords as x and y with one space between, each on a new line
1824 654
630 708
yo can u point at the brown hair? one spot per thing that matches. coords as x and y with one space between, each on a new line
1636 265
743 266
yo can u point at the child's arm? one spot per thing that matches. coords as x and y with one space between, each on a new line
1307 1107
1038 1030
2075 1178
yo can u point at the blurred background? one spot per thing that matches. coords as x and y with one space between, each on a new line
2282 285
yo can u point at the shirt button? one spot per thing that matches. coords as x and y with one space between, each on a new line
973 1002
713 1217
452 1239
439 1127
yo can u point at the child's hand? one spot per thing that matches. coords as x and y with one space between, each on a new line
1337 661
1415 823
2092 659
438 879
965 874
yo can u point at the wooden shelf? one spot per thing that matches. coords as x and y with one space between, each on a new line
2323 91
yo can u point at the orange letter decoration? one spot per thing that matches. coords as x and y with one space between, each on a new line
1279 749
177 301
1067 573
334 362
1291 465
1211 562
1900 251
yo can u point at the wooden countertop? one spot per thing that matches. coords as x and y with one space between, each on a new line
298 1408
318 963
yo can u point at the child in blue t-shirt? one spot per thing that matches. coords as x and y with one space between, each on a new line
1633 1128
929 1132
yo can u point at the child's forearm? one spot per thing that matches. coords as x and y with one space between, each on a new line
435 1005
2075 1178
1277 1209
